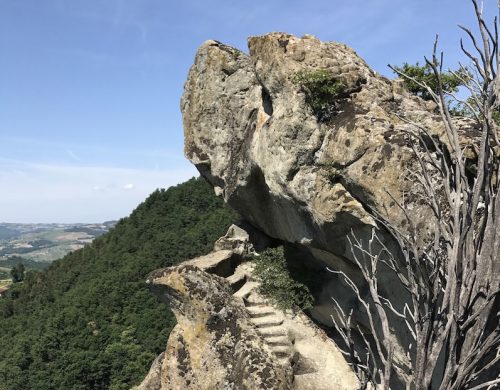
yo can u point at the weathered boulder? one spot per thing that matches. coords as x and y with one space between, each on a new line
243 240
304 167
213 345
251 131
236 240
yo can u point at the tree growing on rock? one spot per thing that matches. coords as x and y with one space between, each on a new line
452 275
421 77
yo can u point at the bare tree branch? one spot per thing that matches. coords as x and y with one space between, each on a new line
452 276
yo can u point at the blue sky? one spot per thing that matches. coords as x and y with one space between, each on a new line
89 89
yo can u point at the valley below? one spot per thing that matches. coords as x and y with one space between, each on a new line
37 245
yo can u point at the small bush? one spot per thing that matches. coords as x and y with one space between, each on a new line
423 74
277 284
322 90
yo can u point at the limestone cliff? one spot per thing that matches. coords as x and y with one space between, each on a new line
301 169
250 131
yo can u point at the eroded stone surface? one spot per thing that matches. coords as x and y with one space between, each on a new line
251 133
153 378
213 345
236 240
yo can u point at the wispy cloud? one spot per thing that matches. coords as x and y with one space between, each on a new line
62 153
73 155
47 192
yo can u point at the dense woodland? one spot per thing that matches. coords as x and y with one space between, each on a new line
88 321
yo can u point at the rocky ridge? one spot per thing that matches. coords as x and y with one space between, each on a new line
302 177
280 349
252 132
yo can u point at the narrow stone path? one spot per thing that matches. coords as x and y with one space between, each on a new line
294 340
267 319
269 323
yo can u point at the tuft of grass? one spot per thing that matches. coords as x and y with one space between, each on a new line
322 90
277 284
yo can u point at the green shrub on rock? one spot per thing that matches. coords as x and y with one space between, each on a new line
322 90
277 283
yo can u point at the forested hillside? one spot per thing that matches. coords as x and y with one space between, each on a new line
88 321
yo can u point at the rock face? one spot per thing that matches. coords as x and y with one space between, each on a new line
254 131
307 143
248 344
153 378
213 345
250 130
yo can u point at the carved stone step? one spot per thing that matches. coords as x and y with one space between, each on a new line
284 361
237 280
246 290
255 300
219 263
283 355
267 321
278 340
260 311
282 350
272 331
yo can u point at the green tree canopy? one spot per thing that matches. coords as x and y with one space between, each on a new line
88 321
17 273
424 74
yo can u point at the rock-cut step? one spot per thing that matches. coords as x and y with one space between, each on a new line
278 341
282 351
260 311
237 280
272 331
254 299
267 321
218 263
246 290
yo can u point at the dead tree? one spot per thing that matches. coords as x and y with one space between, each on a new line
452 277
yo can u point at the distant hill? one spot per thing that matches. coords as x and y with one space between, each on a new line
88 320
28 264
7 233
47 242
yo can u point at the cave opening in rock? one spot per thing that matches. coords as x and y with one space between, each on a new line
267 103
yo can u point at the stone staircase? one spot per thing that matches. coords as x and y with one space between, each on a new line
295 340
269 324
267 319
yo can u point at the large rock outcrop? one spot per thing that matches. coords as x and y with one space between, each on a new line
229 336
253 130
307 143
250 131
214 345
